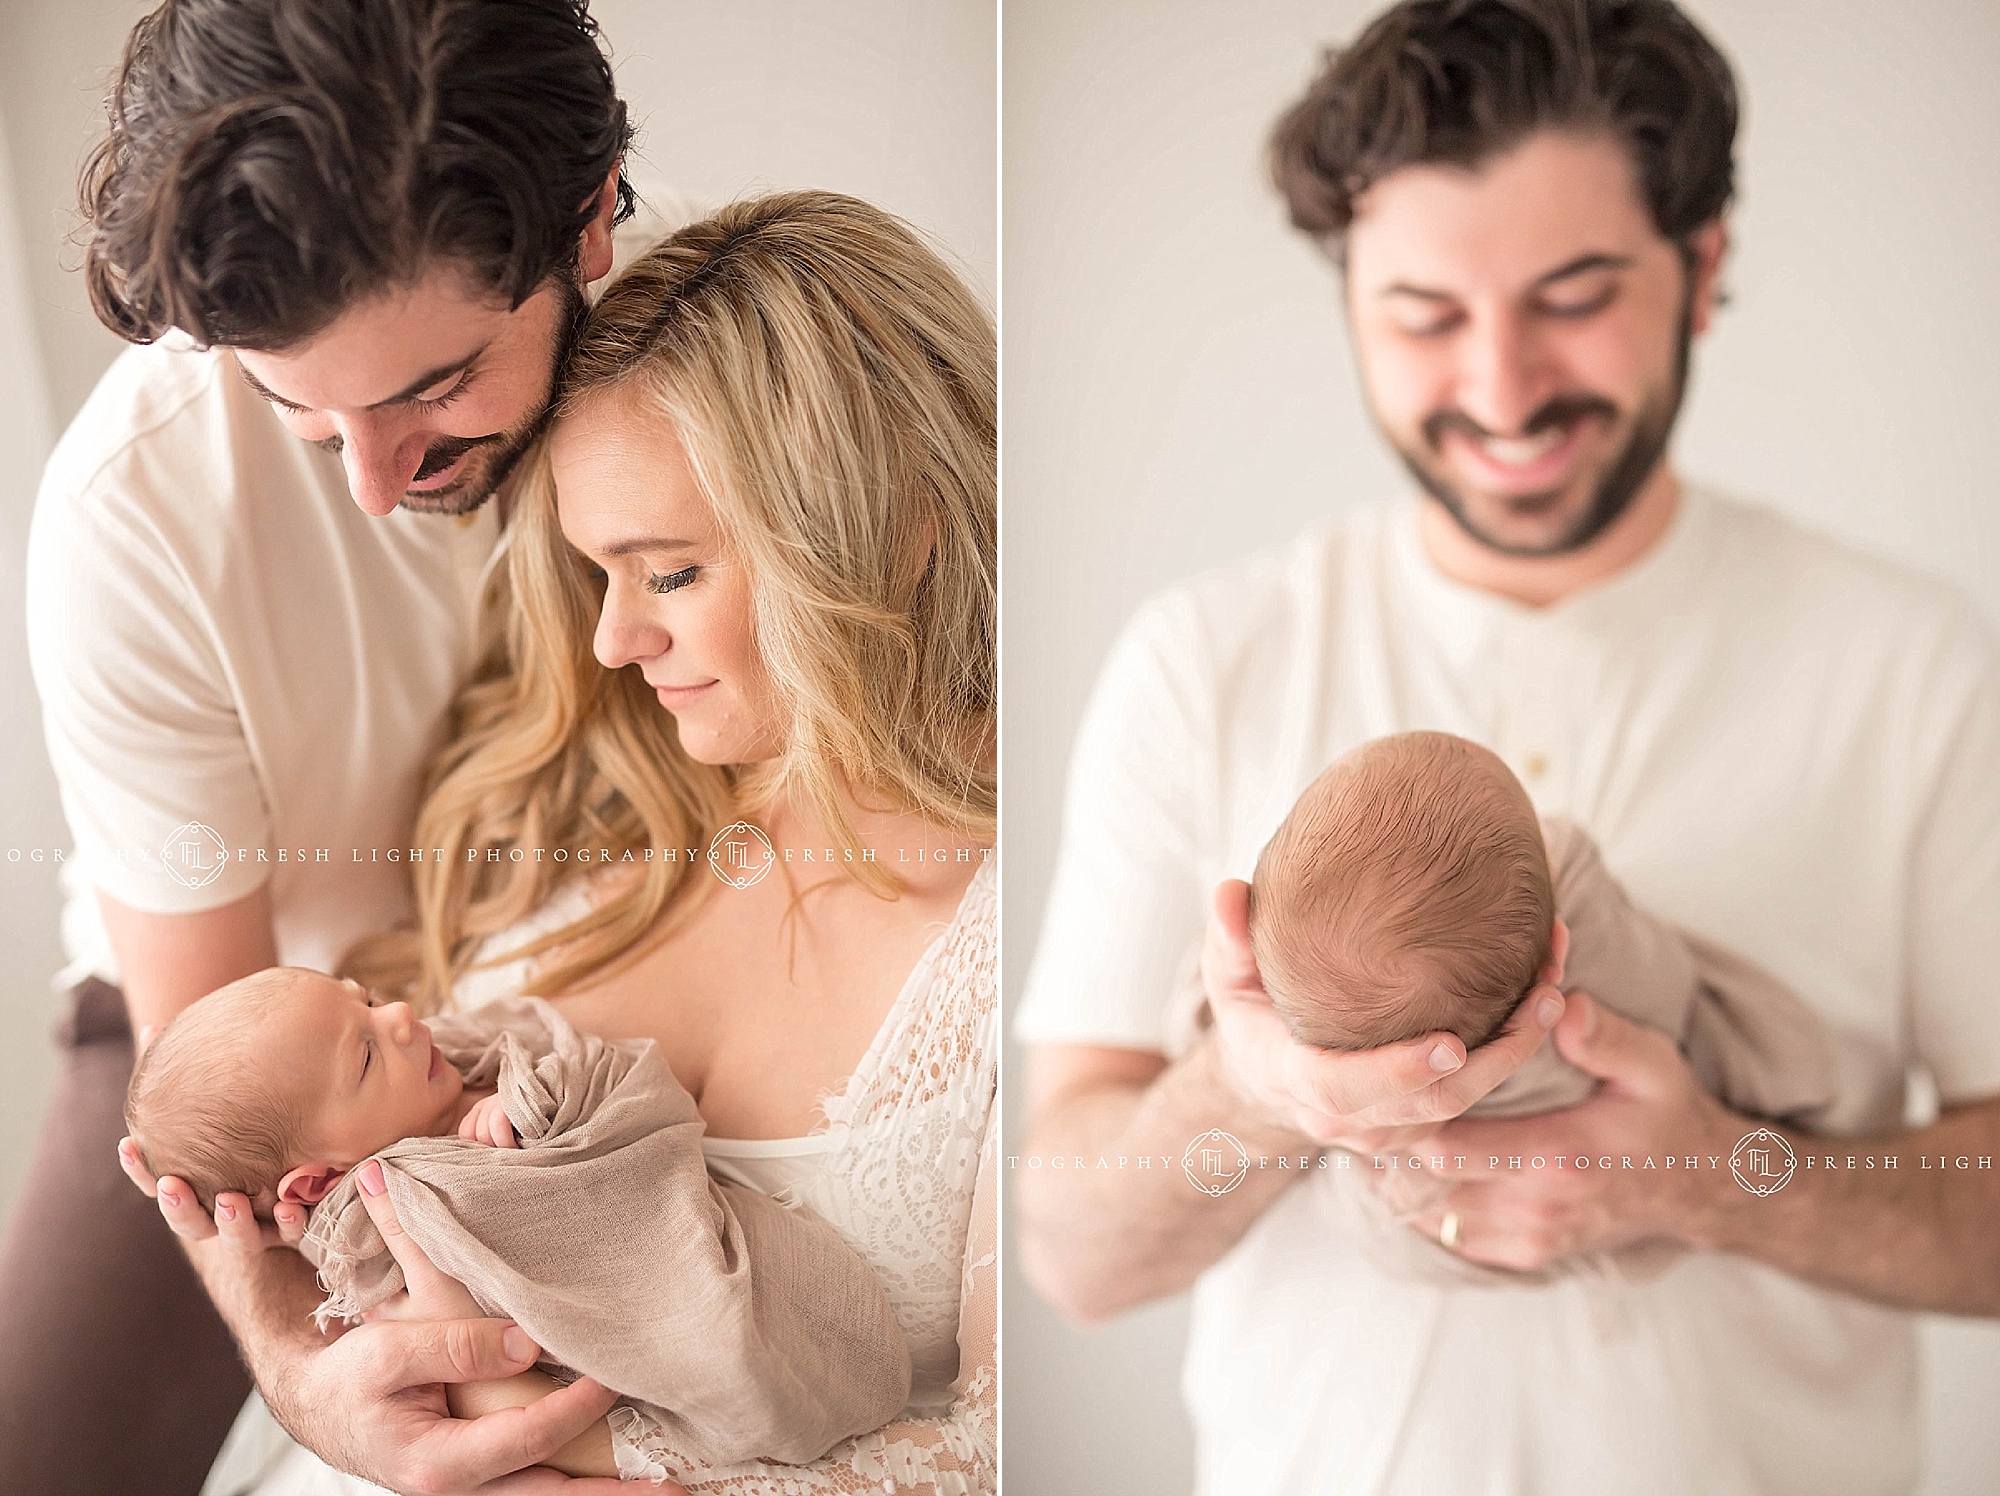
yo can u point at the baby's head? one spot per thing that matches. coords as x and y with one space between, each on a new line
279 1083
1408 891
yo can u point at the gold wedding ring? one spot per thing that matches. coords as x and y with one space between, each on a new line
1448 1232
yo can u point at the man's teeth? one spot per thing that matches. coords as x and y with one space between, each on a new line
1519 451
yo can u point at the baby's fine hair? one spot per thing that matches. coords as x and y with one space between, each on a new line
201 1109
1407 891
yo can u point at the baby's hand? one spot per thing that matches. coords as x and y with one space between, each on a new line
487 1123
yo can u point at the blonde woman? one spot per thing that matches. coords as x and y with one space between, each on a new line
751 584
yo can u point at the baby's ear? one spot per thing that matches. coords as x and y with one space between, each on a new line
1552 969
309 1183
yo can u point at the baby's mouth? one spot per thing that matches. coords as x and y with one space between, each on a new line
437 1062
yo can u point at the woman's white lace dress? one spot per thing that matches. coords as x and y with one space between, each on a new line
906 1167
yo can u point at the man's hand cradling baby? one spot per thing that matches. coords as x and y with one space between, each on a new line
487 1123
235 1221
528 1398
1360 1099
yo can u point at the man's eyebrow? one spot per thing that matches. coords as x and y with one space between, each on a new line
1582 264
408 392
258 385
1421 293
646 543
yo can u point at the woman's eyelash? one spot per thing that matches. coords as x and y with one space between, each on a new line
673 581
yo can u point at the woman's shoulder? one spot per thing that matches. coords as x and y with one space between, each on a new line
937 1043
968 958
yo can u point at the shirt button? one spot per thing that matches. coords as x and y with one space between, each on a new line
1535 765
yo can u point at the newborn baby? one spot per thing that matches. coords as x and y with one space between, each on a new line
1412 889
560 1178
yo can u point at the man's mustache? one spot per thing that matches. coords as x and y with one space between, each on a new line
446 450
438 456
1561 410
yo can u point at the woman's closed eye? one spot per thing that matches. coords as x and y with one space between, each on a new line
671 581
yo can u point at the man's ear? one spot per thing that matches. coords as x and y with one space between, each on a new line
308 1184
593 254
1710 246
1552 969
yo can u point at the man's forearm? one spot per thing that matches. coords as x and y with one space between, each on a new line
1098 1240
267 1302
1924 1234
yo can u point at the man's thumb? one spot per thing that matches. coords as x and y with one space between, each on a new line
473 1350
1232 909
1604 1044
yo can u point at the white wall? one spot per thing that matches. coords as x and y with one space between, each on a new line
1179 391
31 826
891 100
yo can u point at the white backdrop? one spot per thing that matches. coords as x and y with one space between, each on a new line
891 100
1179 391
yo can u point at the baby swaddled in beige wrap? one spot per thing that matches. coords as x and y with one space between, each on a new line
1413 889
560 1178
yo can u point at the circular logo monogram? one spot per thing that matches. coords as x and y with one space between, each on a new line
740 855
195 854
1215 1162
1762 1163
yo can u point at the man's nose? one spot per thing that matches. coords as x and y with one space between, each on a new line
1503 374
379 464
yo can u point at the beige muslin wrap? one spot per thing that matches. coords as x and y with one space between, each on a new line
1749 1040
744 1329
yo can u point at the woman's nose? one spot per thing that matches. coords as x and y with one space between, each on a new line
624 634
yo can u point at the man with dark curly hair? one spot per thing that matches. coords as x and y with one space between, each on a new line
350 243
1780 744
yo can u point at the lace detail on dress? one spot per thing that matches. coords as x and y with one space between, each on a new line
911 1180
639 1447
953 1454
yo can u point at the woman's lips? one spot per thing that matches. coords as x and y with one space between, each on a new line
675 697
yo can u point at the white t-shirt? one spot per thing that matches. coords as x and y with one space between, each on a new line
243 677
1783 745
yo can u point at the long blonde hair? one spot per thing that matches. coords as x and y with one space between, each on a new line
833 383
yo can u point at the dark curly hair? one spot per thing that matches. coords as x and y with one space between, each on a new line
1459 81
270 162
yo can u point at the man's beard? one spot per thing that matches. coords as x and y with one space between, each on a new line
1616 488
498 453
